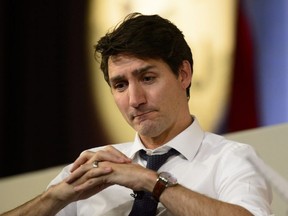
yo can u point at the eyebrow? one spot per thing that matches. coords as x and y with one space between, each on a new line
136 72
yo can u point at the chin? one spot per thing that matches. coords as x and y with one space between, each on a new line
149 131
151 128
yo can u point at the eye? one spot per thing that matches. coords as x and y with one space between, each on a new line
120 86
148 79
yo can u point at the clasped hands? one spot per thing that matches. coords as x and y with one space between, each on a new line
113 167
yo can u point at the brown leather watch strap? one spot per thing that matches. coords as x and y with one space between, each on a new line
159 187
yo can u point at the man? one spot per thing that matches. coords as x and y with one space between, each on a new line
148 65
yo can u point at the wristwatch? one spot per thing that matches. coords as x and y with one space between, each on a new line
164 180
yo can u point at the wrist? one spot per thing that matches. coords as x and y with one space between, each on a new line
52 198
164 181
149 181
48 199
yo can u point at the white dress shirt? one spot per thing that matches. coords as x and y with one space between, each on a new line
207 163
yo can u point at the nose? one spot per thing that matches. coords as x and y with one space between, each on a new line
137 95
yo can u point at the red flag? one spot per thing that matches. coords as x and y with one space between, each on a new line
242 112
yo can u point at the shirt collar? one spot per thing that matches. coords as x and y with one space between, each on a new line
186 143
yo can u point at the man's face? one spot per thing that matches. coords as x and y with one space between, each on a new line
149 96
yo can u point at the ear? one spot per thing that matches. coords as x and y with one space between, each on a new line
185 74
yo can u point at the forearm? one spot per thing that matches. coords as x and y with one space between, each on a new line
185 202
182 201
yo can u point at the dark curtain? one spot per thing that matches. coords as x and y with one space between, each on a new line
47 115
243 108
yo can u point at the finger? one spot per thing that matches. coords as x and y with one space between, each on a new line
87 171
77 173
109 153
117 153
93 186
82 159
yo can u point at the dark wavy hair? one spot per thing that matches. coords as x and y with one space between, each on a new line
145 37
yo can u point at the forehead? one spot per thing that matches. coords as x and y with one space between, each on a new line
126 63
121 60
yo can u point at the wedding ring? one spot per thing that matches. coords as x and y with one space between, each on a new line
95 164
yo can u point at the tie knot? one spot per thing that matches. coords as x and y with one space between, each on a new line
154 162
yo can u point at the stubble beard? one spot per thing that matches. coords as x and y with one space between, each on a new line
150 128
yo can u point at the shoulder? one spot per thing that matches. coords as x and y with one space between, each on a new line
229 155
218 143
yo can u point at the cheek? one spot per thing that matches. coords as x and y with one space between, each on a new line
167 93
171 97
120 102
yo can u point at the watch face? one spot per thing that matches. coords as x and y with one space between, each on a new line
171 180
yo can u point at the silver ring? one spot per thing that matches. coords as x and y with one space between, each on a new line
95 164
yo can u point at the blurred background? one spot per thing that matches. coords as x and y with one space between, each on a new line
54 102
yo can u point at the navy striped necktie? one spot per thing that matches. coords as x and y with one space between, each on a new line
144 203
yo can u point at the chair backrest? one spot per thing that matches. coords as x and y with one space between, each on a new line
271 143
18 189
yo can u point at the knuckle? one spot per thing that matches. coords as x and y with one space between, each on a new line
91 175
100 155
84 153
82 168
109 148
90 182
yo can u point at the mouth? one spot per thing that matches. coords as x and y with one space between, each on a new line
141 115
